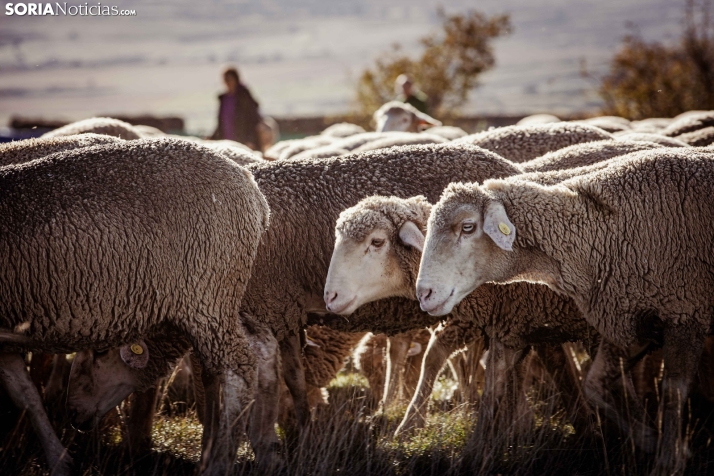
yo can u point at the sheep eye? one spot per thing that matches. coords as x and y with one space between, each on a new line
468 228
377 242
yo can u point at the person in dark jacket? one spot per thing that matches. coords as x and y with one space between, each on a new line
410 94
238 115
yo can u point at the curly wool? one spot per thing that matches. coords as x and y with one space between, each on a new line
649 137
633 213
688 122
111 222
523 143
306 198
98 125
19 152
699 138
580 155
327 357
518 314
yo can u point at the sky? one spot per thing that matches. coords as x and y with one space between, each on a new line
300 57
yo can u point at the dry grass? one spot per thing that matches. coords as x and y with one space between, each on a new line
346 438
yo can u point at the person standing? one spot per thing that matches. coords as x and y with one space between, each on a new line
410 94
238 114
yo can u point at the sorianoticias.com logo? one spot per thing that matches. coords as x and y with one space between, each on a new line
57 8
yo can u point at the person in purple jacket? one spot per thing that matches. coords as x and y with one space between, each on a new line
238 114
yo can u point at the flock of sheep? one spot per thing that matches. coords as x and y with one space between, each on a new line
262 273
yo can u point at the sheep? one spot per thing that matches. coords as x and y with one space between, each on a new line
307 143
326 352
342 130
699 138
19 152
523 143
629 243
283 291
538 119
608 123
651 137
85 212
688 122
588 153
399 139
98 125
396 359
148 131
237 152
448 132
397 116
651 125
377 250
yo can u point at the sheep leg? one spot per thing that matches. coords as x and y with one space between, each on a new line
140 420
397 349
503 384
264 413
435 357
682 349
557 361
609 387
25 395
227 396
199 393
55 384
294 376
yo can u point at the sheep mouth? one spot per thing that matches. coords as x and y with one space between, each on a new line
342 309
440 308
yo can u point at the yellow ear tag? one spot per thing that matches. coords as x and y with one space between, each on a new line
136 349
504 228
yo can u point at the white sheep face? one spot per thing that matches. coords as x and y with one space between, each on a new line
461 252
397 120
363 271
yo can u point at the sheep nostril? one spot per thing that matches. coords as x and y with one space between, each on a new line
330 297
424 294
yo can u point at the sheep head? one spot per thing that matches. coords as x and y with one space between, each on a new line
377 250
467 244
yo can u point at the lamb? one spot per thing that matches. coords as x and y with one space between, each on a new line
98 125
688 122
588 153
699 138
397 116
630 244
301 145
391 231
538 119
342 130
19 152
523 143
201 203
651 137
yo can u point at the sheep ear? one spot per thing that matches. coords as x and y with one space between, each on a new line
424 121
497 225
135 355
414 349
411 235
